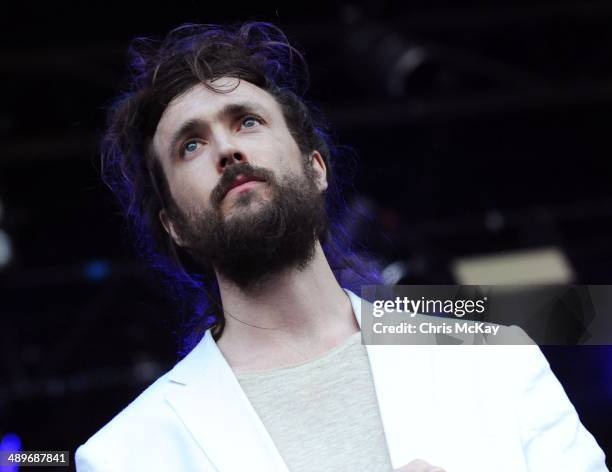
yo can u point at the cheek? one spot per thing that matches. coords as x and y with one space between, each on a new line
285 156
191 192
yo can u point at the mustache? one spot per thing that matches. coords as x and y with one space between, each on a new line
230 174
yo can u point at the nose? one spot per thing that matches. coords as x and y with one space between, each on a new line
229 152
229 159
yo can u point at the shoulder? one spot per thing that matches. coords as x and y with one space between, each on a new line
143 411
130 430
147 433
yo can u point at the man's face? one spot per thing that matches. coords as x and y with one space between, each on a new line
238 181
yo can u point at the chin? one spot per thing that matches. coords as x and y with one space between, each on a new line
244 202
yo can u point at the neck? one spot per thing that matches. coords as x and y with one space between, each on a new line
291 316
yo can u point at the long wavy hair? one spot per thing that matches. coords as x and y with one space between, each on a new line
162 69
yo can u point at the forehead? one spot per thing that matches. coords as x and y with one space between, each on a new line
201 103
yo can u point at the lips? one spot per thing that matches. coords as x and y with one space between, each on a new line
241 179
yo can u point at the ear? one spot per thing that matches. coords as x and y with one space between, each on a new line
169 226
320 170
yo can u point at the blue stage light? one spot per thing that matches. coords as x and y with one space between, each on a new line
97 270
10 442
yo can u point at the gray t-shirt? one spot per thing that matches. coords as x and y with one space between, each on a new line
323 414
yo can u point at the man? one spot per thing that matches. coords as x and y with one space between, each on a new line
229 185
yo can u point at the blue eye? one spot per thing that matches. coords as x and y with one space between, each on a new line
190 147
250 122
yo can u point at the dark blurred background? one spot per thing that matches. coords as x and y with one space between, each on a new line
482 129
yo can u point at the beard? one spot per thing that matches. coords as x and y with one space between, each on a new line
261 237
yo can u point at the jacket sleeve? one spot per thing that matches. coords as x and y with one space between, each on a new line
553 437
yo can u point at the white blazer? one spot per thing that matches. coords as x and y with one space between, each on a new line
463 408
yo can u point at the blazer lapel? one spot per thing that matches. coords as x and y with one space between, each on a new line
213 406
435 404
403 380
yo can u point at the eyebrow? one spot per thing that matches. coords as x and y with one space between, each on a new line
228 111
